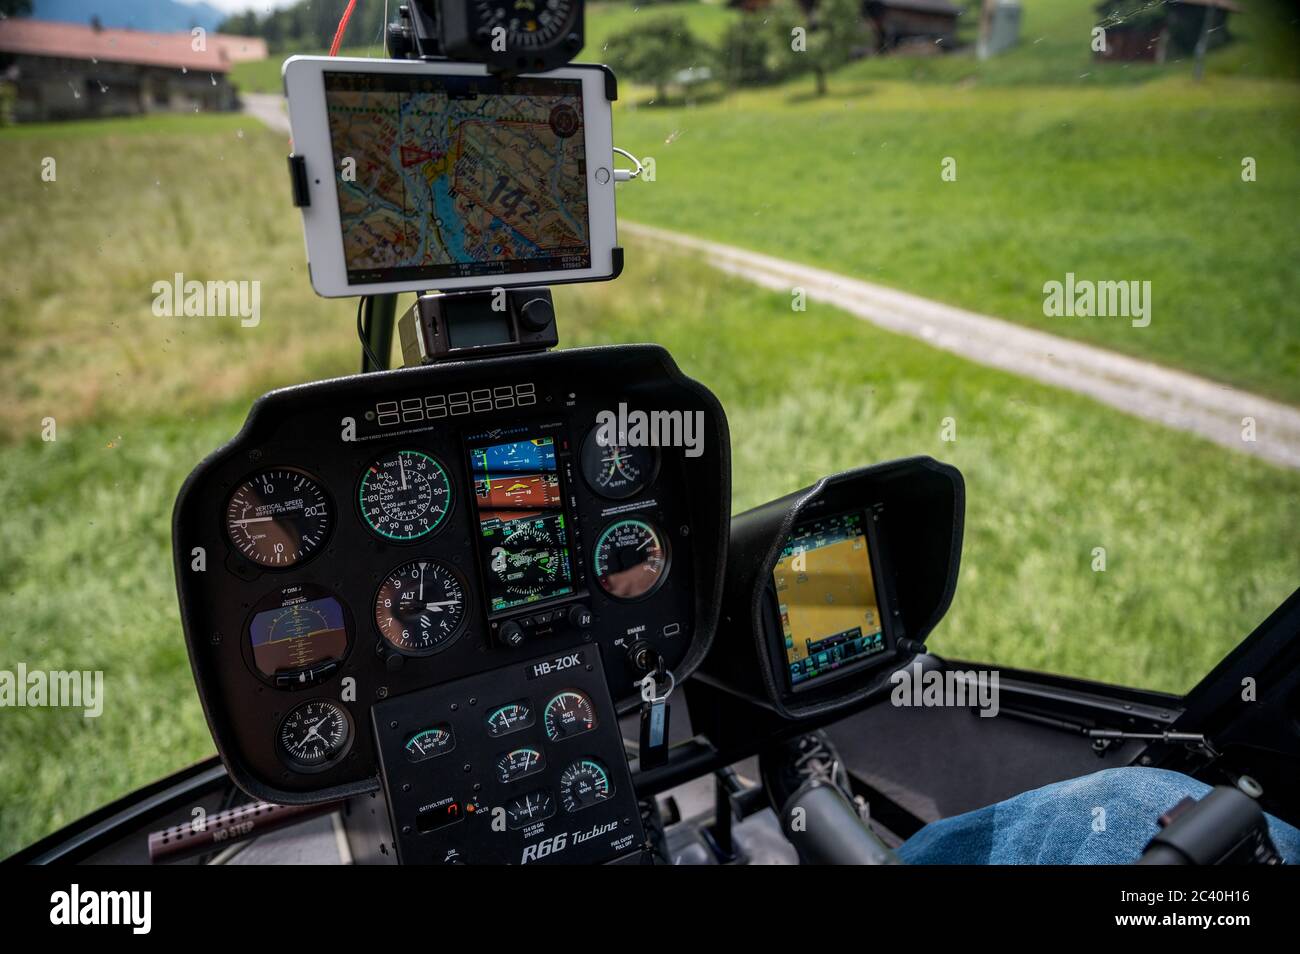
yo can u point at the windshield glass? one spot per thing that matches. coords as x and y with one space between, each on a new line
1048 242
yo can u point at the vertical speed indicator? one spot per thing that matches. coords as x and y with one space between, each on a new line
278 518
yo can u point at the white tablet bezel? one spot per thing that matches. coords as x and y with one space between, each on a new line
304 85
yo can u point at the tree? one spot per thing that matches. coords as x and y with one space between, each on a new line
819 40
15 8
745 51
656 51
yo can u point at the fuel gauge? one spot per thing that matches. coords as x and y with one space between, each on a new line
527 809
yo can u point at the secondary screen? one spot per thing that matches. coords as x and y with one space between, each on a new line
826 595
458 176
525 541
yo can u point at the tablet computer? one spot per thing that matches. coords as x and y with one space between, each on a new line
423 176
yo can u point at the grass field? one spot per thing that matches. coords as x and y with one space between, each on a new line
1054 50
84 550
1142 184
706 21
1111 171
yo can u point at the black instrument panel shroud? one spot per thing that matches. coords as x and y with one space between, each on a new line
332 430
915 508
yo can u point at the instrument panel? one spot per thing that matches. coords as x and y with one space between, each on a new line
373 536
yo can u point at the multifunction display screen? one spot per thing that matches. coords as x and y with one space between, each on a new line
458 176
826 596
524 531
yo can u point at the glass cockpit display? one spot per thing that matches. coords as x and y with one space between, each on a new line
524 533
826 597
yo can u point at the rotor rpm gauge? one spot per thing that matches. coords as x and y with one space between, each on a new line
278 518
583 784
568 714
631 559
420 608
405 495
617 471
315 734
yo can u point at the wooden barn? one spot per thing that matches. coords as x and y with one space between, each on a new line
1158 32
70 71
926 25
913 25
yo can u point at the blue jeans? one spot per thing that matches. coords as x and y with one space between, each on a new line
1105 818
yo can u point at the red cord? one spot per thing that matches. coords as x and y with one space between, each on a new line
343 26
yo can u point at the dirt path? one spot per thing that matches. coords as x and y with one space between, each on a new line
269 108
1203 407
1175 398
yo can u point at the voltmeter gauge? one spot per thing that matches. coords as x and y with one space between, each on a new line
631 559
420 608
568 714
617 471
520 763
278 518
315 734
405 495
510 717
583 784
430 743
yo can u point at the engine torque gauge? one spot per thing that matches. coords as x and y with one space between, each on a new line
405 495
568 714
420 608
314 734
631 559
278 518
583 784
617 471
